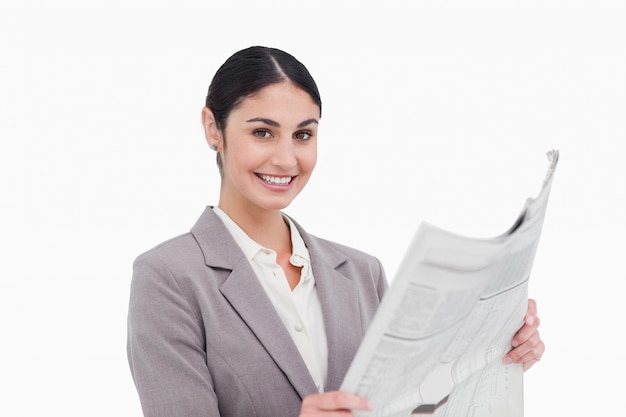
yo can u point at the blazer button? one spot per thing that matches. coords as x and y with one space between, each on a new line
298 327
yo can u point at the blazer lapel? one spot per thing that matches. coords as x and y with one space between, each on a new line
340 307
245 293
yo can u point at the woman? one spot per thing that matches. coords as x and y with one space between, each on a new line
248 314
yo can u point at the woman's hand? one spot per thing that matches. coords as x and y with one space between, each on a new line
333 403
527 345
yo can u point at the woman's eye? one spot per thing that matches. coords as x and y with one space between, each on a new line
303 135
262 133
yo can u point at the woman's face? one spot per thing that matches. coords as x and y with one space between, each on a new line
271 148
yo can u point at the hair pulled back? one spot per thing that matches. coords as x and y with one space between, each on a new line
250 70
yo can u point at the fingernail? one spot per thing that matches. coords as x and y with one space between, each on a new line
530 320
507 360
514 343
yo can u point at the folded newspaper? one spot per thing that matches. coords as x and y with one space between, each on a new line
436 344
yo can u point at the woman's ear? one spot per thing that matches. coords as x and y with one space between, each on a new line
211 132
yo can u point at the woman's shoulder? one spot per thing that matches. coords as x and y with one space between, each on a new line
177 249
333 248
349 251
187 246
358 265
342 256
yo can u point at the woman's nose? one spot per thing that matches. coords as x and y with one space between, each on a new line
284 154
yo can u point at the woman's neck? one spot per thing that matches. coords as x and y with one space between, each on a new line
266 227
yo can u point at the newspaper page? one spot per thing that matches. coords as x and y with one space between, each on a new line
436 344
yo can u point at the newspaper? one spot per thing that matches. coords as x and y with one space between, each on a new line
436 344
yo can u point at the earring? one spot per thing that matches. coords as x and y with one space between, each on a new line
214 147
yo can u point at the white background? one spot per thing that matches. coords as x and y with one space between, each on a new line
433 111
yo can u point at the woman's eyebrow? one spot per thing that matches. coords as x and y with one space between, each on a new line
308 122
264 120
276 124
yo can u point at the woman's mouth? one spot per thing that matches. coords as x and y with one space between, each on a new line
272 180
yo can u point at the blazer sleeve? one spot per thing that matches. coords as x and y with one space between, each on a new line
166 346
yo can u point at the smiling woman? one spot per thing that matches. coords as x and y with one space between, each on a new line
247 314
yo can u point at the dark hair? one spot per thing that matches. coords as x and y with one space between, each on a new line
250 70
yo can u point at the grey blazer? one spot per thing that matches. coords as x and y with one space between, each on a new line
205 340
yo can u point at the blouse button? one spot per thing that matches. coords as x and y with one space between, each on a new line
298 327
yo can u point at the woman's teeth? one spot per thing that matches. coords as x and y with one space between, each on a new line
275 180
